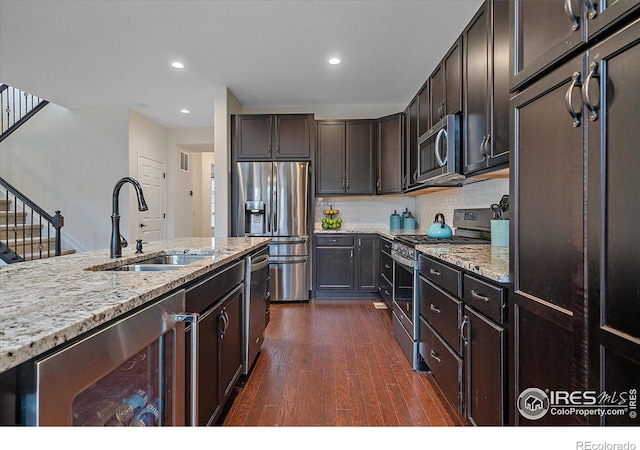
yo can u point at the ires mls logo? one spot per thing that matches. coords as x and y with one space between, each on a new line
534 403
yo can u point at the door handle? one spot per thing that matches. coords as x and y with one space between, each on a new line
142 225
575 20
435 356
586 96
433 307
463 335
568 100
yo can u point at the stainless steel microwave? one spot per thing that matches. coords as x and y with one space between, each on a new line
440 154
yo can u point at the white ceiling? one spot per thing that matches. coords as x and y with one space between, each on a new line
117 54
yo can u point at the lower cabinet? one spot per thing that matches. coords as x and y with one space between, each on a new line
218 300
346 264
385 272
463 340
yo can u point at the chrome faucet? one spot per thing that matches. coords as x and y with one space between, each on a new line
116 243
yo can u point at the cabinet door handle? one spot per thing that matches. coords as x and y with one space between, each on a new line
477 296
586 96
435 356
278 148
387 266
347 184
486 150
415 175
463 335
568 100
592 8
575 20
386 291
434 272
268 148
351 255
433 307
482 149
378 184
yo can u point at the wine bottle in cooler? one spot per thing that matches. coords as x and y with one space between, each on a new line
149 415
132 404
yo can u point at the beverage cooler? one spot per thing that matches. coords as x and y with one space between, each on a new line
130 373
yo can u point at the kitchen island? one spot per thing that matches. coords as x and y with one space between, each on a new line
48 302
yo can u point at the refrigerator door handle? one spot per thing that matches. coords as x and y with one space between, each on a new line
275 198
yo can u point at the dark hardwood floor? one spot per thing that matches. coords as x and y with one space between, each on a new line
335 363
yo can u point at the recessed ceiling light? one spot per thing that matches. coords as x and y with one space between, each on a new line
334 61
177 65
185 111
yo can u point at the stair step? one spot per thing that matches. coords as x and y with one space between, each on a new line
25 247
19 231
12 217
5 204
36 255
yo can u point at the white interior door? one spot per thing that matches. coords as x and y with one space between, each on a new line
151 224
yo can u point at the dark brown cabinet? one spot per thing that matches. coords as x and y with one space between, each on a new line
546 33
367 268
463 340
548 304
385 272
345 264
218 300
611 119
586 315
390 154
346 157
410 177
280 136
445 85
486 94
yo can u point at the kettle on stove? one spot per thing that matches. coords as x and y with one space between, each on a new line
439 229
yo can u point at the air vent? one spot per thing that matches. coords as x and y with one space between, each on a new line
184 161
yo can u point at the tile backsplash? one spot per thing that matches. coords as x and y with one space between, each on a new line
374 211
364 211
476 195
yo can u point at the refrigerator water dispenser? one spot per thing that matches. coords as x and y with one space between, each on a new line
254 217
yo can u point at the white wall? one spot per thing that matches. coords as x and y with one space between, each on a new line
180 205
224 105
146 138
71 160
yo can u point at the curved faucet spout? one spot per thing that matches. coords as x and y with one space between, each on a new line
116 243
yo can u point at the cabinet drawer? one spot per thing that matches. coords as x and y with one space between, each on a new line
444 276
335 240
442 311
386 265
385 289
445 364
484 297
385 245
403 338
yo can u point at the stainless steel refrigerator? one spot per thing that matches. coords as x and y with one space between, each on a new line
272 199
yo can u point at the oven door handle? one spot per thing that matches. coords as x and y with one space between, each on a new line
406 263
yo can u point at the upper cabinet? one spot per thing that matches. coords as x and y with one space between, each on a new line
280 136
345 157
445 84
390 152
543 33
486 89
410 177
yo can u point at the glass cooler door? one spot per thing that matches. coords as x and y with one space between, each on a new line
128 374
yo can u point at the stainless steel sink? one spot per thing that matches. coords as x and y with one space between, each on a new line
173 260
148 267
162 262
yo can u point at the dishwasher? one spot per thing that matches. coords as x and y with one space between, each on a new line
257 300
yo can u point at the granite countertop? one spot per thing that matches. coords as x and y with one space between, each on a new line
47 302
488 261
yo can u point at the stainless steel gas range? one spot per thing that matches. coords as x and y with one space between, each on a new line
472 226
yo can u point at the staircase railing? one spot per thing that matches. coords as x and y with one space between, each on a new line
16 107
23 238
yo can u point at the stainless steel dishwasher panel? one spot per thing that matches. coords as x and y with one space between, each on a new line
256 299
